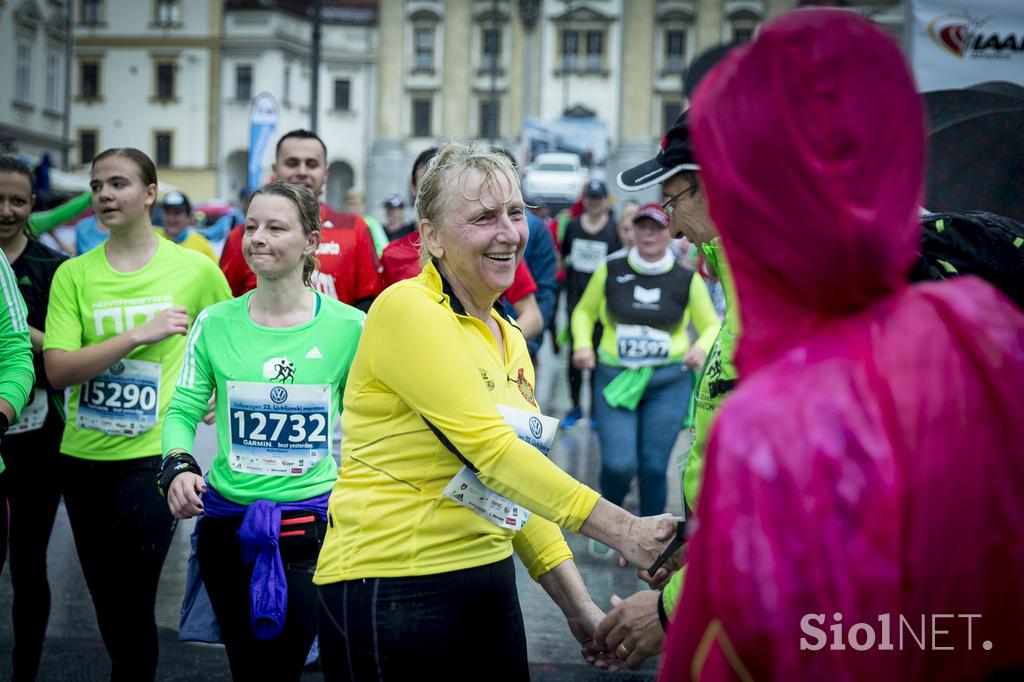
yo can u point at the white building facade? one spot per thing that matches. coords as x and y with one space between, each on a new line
143 77
33 49
269 49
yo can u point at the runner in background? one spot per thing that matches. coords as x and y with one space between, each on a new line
643 368
115 336
348 269
588 240
277 397
32 446
355 202
178 222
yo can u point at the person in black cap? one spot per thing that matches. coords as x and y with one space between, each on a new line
395 212
588 241
177 219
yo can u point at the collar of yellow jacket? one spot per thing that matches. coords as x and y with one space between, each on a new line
435 280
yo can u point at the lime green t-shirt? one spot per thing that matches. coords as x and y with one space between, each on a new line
118 414
278 393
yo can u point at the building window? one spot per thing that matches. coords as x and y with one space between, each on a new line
489 113
243 82
92 12
52 79
570 50
742 25
163 142
423 40
167 12
342 94
675 50
164 81
491 46
23 72
89 86
87 146
582 50
421 117
595 51
670 110
742 35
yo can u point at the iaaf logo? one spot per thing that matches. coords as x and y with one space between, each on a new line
963 37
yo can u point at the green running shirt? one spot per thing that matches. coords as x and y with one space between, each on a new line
16 373
91 302
278 394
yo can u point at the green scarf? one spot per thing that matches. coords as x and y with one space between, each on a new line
628 388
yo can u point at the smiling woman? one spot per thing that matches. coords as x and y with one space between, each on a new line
443 470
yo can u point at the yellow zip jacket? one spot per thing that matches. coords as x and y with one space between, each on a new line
426 370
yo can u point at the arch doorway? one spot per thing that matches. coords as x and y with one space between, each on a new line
339 182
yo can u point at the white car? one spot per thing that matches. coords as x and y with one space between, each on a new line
554 178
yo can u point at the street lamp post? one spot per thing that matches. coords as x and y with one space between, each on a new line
314 81
69 48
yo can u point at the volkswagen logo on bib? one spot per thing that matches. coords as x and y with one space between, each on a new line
278 394
117 368
536 428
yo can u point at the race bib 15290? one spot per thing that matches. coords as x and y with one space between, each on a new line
123 401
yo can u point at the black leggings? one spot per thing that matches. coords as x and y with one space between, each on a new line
227 580
397 629
122 529
34 495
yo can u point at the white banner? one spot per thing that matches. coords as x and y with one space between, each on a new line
955 44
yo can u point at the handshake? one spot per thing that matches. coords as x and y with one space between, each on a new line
632 631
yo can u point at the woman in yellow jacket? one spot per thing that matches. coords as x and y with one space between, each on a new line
645 300
443 470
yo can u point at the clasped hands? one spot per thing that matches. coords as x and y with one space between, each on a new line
631 632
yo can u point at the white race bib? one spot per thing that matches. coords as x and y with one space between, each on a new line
34 414
278 429
123 401
536 429
586 254
466 489
639 346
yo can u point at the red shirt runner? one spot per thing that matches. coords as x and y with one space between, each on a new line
348 262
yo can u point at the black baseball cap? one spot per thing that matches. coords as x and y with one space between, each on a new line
676 156
177 200
595 188
394 201
676 153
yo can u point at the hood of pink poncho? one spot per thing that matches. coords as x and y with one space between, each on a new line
817 203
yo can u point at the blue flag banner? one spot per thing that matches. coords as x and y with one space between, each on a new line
263 115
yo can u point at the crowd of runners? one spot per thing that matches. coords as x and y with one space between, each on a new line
856 441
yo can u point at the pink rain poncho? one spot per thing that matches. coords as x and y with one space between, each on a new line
870 463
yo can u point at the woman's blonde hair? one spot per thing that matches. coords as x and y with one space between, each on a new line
446 173
308 209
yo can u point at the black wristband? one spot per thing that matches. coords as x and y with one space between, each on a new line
5 423
173 465
662 616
